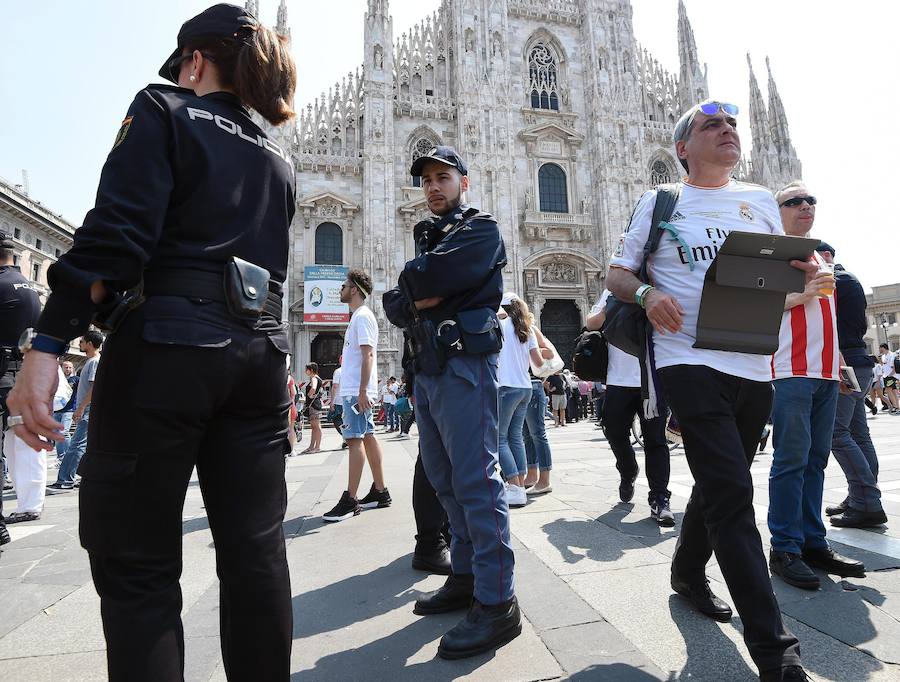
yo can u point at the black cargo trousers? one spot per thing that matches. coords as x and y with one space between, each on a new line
159 410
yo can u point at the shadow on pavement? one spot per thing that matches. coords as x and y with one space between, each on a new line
612 672
386 658
355 599
711 656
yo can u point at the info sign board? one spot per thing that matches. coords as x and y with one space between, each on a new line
322 295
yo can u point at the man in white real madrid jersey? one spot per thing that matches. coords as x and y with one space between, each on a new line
721 399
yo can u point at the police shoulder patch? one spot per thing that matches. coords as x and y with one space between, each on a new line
123 131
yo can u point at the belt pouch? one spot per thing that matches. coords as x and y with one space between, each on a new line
246 288
479 331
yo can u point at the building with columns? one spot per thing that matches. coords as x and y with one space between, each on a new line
40 235
564 121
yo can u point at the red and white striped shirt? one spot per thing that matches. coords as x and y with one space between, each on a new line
808 341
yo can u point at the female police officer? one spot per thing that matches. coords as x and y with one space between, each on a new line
195 201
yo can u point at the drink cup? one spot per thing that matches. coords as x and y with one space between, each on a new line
827 289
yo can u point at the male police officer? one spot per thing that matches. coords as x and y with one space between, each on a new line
446 301
19 308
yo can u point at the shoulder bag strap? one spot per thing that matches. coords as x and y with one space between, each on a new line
666 199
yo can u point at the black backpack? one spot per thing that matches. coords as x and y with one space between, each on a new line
626 322
590 360
897 363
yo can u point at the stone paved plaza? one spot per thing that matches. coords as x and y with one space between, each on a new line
591 573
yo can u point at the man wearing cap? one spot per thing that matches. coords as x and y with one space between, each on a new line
851 443
19 308
806 374
446 300
721 398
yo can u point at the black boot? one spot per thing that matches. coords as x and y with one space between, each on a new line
457 593
839 508
483 629
434 558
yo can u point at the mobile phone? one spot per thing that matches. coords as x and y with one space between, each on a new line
355 408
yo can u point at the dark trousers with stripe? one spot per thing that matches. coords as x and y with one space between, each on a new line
457 416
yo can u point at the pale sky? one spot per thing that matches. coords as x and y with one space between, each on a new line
70 69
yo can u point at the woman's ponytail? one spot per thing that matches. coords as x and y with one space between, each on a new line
258 67
265 76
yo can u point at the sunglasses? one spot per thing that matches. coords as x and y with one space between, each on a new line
712 108
176 62
796 201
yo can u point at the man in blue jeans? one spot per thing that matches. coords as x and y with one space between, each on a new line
64 416
90 345
851 443
806 373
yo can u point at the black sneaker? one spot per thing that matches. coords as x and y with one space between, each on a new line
376 499
61 486
626 487
660 511
347 507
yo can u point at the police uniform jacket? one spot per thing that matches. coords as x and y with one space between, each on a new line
190 182
19 309
462 266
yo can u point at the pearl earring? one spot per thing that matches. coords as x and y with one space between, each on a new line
192 78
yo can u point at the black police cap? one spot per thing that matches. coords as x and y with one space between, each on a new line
219 21
446 155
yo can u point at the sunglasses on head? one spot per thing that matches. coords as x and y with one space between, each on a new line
796 201
712 108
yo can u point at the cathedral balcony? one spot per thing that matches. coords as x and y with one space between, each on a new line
578 227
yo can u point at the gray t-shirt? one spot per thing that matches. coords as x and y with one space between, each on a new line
85 378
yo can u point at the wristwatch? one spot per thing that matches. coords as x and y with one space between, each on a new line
31 340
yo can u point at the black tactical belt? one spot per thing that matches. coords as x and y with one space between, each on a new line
201 284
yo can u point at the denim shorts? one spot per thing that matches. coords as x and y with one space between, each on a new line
355 425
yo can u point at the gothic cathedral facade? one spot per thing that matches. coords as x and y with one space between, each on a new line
562 117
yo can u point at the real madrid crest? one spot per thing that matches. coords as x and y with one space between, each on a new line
746 213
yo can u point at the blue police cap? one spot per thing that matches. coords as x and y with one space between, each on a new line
219 21
446 155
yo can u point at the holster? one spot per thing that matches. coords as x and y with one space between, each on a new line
246 288
111 315
429 353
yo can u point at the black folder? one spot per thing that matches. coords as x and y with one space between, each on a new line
744 291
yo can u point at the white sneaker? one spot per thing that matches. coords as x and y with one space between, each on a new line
515 496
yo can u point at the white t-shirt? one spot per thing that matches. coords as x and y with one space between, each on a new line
808 340
362 331
335 381
887 365
703 218
624 369
390 398
513 362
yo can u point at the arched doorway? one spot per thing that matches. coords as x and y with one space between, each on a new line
326 352
561 323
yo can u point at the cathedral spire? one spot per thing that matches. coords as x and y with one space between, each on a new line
759 117
379 7
282 25
252 6
692 83
779 134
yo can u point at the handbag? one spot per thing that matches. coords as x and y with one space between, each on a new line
626 322
403 407
548 367
590 360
